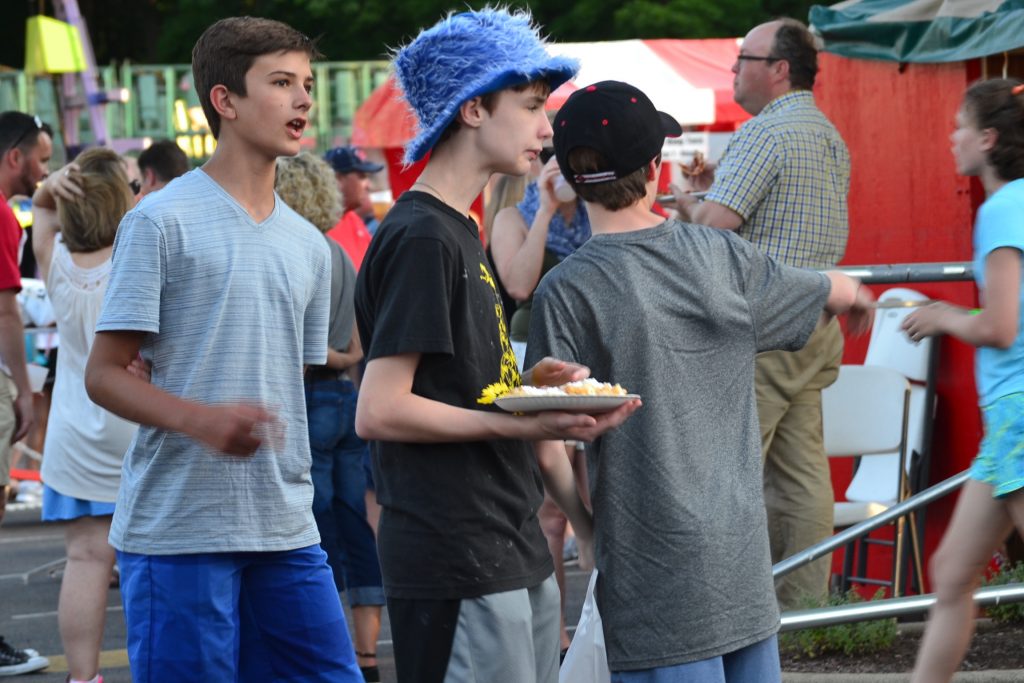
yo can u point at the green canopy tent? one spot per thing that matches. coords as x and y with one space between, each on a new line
920 30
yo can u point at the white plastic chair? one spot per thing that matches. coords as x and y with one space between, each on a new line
875 484
865 413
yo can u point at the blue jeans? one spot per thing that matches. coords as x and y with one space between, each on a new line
757 663
235 617
339 489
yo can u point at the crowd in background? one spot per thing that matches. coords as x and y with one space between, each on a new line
159 429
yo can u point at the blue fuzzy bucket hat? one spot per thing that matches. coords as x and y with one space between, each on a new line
466 55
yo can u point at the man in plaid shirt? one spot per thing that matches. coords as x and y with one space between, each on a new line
782 184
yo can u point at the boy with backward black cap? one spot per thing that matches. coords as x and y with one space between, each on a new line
676 312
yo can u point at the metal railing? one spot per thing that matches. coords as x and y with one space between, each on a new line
847 535
952 271
894 607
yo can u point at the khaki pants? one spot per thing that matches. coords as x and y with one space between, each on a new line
797 483
8 392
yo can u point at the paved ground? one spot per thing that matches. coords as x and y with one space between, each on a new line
29 586
30 553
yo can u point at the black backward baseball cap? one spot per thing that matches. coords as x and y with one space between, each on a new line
617 120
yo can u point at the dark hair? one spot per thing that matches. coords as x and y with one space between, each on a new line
490 100
166 159
992 104
21 130
613 195
796 45
226 50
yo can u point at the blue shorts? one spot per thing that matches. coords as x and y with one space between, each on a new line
1000 459
228 617
757 663
58 508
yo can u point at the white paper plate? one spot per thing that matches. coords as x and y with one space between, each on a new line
575 404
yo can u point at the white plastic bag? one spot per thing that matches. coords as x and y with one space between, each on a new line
587 661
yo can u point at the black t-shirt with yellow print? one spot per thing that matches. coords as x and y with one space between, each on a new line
459 520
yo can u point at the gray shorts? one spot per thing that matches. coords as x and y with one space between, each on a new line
510 637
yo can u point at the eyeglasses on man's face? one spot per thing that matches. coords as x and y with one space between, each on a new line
754 58
35 124
135 185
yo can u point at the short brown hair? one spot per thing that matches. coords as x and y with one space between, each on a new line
90 222
490 100
225 53
795 45
613 195
166 159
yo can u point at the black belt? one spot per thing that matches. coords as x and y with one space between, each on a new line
322 373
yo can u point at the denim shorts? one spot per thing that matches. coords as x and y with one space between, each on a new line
58 508
1000 459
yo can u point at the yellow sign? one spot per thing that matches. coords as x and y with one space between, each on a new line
52 46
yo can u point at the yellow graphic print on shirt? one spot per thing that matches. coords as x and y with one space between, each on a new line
509 376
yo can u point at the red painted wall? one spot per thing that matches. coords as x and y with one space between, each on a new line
908 205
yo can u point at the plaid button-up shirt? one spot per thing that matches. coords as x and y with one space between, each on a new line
787 173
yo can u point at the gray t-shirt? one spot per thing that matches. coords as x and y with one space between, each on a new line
676 314
232 309
343 289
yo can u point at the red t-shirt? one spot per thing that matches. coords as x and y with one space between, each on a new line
352 235
10 241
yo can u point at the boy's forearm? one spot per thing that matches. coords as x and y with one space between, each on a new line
414 419
112 387
388 410
560 483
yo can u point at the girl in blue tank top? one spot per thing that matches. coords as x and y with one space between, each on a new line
989 143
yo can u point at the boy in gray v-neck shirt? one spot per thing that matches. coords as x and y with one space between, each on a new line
674 312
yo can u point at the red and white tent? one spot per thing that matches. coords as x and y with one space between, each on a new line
689 79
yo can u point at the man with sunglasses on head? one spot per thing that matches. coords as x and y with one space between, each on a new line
782 184
26 145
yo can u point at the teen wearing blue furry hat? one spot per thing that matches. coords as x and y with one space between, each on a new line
468 55
467 573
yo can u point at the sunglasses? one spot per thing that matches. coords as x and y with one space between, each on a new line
38 125
546 154
135 185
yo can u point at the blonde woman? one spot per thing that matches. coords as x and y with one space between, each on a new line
76 212
340 471
506 192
